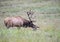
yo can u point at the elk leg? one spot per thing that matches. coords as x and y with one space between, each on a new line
7 26
19 26
34 27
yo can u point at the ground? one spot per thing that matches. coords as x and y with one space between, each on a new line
46 15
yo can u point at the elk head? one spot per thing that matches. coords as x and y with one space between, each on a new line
30 13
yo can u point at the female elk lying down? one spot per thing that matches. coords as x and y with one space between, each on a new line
18 21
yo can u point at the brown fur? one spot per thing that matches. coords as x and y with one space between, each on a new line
17 21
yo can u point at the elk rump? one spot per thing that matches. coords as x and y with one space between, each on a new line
14 21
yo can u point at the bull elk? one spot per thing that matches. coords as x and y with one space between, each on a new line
18 21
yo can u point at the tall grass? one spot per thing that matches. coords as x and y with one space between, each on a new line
47 14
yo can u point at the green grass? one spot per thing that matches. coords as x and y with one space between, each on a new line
47 14
26 35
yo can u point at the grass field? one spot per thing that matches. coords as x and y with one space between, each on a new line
47 16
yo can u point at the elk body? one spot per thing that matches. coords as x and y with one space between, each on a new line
18 21
14 21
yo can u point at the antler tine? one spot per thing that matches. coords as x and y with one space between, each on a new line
28 16
30 13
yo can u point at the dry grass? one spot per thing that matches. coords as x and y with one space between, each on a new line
47 14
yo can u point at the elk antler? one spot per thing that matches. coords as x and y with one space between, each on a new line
30 13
